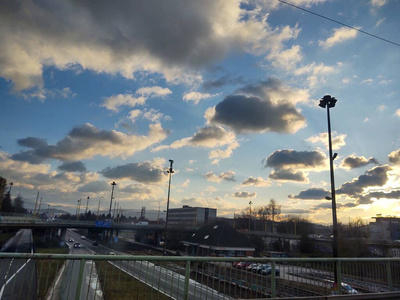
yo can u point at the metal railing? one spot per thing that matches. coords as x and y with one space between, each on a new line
44 276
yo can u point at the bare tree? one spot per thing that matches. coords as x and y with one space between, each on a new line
274 210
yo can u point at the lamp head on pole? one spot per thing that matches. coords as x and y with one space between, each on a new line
113 183
327 100
170 167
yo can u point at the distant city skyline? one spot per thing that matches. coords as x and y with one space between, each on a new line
100 92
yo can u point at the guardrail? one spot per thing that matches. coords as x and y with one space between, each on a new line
157 277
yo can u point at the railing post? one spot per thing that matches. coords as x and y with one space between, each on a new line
339 276
80 279
273 280
389 276
187 278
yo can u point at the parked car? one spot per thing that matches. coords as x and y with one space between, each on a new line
77 245
95 243
268 270
259 268
251 266
244 264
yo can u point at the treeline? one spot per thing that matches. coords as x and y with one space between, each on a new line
15 206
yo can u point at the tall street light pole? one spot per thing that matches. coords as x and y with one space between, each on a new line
87 204
9 191
170 171
328 102
112 196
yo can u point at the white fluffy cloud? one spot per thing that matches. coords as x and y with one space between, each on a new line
340 35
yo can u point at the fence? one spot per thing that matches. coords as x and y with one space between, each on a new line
42 276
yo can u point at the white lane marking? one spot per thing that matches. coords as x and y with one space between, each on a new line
8 281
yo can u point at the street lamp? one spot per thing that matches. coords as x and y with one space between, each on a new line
9 191
170 171
250 215
112 196
87 204
78 207
328 102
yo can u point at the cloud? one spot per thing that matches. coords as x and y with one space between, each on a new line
339 36
259 181
144 172
394 157
141 191
226 176
245 195
367 199
87 141
222 81
142 95
378 3
288 175
196 97
397 113
352 162
211 136
368 81
86 35
316 73
94 187
377 176
311 194
266 107
289 159
290 165
217 202
338 141
76 166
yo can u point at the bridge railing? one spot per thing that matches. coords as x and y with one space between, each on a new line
158 277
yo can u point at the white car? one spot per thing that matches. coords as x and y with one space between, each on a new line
83 237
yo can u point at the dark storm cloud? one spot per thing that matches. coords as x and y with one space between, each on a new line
375 177
367 199
245 194
29 156
91 133
394 157
94 187
282 159
289 174
353 162
143 172
252 114
262 88
312 194
76 166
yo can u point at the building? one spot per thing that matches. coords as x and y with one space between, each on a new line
218 239
191 216
385 228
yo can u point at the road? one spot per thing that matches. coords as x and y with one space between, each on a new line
69 284
18 276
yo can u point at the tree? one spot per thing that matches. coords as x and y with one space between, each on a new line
274 210
19 205
7 205
295 224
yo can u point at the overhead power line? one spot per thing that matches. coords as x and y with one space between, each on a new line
340 23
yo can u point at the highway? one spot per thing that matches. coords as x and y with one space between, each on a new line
18 276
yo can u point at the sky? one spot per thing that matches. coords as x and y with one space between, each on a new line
95 92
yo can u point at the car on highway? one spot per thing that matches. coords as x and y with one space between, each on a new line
95 243
83 237
71 240
111 253
77 245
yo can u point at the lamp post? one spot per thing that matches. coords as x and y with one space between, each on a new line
78 208
328 102
250 215
170 171
112 196
9 191
87 204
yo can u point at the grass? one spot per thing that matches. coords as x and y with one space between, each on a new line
116 284
47 269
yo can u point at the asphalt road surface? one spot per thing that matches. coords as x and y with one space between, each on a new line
18 276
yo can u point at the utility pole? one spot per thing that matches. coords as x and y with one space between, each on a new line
170 171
